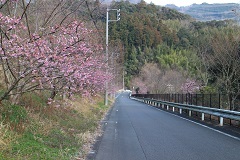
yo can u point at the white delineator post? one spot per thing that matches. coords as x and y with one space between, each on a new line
221 121
202 116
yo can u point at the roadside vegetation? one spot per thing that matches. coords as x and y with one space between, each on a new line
52 76
62 130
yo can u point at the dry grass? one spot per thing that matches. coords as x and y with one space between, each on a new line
65 127
84 105
40 125
2 135
6 136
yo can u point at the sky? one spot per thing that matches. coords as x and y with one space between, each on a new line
189 2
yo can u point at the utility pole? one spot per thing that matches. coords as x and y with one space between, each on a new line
107 22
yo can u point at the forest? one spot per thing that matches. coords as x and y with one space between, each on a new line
164 47
54 68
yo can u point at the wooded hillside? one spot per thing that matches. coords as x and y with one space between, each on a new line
175 48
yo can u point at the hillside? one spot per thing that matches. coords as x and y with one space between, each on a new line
141 28
208 12
170 44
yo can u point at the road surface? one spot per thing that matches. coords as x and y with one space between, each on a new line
136 131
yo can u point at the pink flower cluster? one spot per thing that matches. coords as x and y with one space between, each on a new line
190 86
66 60
142 88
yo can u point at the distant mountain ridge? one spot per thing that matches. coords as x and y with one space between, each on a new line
131 1
204 11
208 12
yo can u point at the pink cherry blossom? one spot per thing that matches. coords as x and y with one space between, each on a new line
65 61
190 86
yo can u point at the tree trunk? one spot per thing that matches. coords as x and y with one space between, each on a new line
53 94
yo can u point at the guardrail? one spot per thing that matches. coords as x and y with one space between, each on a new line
221 113
220 101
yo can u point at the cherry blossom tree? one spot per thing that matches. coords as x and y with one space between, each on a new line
190 86
154 80
139 87
62 58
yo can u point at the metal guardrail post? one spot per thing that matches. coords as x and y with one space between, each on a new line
190 113
221 121
202 116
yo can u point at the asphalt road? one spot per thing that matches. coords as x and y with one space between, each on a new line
136 131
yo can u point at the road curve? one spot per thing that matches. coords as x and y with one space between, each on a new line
136 131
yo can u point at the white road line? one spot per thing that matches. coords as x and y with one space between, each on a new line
202 125
115 135
117 96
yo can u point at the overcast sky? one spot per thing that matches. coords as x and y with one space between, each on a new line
189 2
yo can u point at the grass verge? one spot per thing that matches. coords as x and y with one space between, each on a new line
34 130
